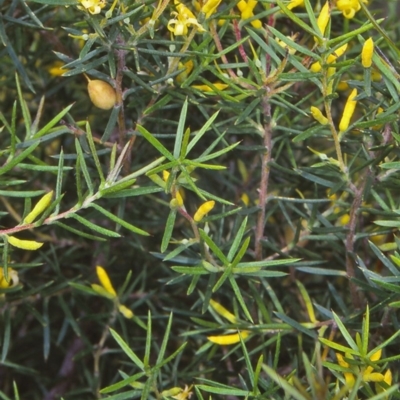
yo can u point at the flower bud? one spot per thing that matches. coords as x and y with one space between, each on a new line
40 206
367 53
204 209
324 18
102 94
105 280
225 340
318 116
24 244
348 111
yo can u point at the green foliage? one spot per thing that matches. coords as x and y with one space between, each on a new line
228 229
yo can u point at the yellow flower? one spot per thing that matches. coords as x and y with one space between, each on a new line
246 12
105 281
93 6
295 3
184 19
204 209
107 290
368 374
12 278
316 67
367 53
318 116
349 7
233 338
348 111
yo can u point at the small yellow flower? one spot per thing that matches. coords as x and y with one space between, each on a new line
348 111
105 281
40 206
93 6
184 19
24 244
367 53
318 116
316 67
12 278
246 12
204 209
349 7
367 373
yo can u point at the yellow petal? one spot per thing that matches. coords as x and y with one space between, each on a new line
24 244
376 356
388 377
105 280
40 206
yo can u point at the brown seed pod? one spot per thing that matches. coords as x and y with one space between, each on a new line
102 94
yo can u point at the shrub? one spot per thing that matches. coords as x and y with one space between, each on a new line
199 200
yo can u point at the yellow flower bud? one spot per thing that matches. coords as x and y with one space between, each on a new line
348 111
367 53
102 94
204 209
323 18
318 116
105 281
221 310
125 311
40 206
24 244
225 340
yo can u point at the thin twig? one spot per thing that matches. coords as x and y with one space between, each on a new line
263 191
